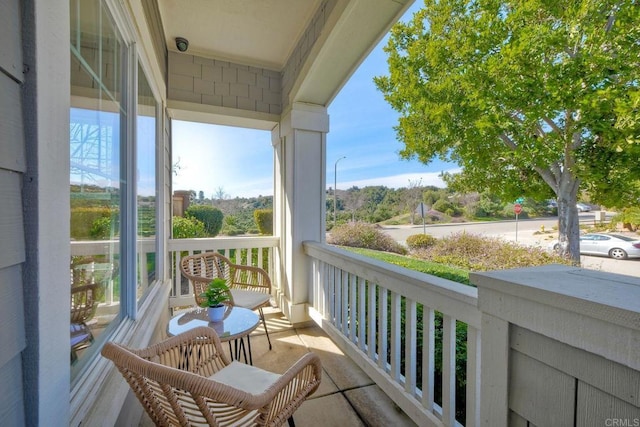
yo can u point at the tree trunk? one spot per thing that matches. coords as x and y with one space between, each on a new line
568 219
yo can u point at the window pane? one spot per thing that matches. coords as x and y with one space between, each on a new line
97 120
146 176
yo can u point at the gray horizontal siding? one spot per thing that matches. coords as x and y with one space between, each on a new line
11 400
12 155
11 314
11 46
12 249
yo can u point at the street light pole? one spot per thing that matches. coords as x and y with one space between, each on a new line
335 184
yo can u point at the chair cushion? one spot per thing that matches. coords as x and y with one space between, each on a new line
245 377
249 299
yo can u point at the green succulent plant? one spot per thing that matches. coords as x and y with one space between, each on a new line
216 293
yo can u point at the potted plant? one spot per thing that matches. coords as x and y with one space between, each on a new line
216 294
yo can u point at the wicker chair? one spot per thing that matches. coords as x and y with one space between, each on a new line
188 380
84 303
250 286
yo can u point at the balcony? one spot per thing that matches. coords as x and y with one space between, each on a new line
551 345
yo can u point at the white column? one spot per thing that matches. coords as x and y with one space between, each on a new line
299 200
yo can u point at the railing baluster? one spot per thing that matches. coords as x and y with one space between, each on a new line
371 323
324 287
353 307
428 356
396 336
410 331
337 296
331 294
345 302
448 370
473 377
383 340
362 313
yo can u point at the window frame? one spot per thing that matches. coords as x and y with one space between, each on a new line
96 389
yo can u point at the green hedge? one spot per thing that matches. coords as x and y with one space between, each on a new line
187 228
211 218
264 220
92 223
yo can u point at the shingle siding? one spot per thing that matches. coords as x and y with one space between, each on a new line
224 84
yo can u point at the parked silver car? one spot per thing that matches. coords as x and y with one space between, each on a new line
612 245
582 207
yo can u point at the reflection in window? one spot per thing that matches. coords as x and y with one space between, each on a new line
146 184
97 122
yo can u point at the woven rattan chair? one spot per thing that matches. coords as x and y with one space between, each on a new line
188 380
84 303
250 286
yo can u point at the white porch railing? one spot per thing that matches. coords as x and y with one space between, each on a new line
257 251
347 292
111 249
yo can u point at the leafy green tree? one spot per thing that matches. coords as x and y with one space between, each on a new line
529 97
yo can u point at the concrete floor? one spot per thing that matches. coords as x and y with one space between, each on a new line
346 396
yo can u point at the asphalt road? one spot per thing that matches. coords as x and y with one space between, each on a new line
525 232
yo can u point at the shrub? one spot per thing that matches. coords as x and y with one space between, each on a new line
84 218
104 228
446 207
264 220
479 253
629 218
211 218
420 241
363 235
187 228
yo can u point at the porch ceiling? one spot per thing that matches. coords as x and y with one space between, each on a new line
254 32
265 33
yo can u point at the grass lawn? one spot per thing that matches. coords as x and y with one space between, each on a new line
444 271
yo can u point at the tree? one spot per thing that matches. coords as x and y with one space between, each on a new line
220 194
414 196
527 96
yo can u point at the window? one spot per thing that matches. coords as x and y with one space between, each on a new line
146 200
112 177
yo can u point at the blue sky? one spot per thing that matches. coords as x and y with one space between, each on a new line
361 128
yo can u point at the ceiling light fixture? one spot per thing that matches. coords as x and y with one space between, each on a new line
182 44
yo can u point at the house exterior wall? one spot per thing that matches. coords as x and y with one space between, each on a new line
223 84
12 238
45 204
